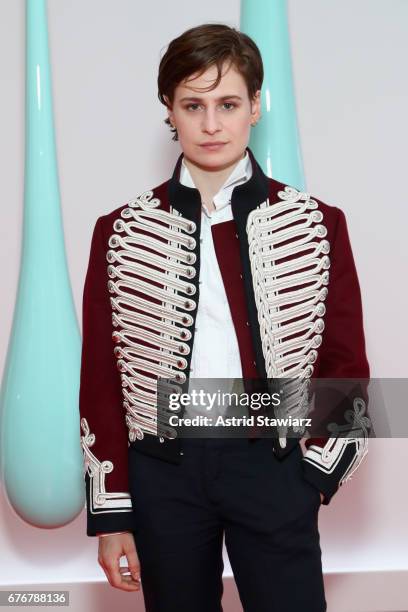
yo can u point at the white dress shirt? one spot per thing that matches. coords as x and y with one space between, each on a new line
215 350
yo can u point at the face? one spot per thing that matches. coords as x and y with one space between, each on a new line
214 126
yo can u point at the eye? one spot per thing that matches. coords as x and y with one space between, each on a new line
189 106
230 104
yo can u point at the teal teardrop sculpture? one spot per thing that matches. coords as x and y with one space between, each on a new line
41 459
275 140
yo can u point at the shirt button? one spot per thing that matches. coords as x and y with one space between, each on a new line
254 363
240 276
247 323
236 235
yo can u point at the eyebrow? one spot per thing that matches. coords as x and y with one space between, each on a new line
197 98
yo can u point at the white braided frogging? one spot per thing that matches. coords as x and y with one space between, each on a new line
163 322
360 425
99 499
328 457
290 295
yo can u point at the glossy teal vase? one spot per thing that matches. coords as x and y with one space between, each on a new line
41 459
275 140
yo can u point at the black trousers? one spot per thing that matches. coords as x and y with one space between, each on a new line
265 508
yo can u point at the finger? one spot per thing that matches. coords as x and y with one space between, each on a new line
112 568
122 582
133 562
130 580
125 572
105 570
114 573
126 583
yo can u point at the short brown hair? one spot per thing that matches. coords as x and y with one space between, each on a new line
201 47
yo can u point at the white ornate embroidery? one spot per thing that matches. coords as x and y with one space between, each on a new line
289 293
100 500
150 253
328 457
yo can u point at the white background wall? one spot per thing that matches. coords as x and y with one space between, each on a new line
352 96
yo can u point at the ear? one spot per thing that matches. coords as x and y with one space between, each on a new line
169 110
256 106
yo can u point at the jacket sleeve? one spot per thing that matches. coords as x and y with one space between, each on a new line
329 461
104 434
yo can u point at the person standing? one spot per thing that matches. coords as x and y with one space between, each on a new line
218 272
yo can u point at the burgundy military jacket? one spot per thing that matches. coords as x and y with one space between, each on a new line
293 291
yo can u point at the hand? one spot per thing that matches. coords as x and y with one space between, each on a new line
111 549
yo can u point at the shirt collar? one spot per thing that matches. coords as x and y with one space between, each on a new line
241 173
245 198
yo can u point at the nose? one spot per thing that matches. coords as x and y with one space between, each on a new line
211 123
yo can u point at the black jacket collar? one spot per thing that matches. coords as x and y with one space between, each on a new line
245 197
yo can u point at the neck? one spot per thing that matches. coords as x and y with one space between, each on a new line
209 181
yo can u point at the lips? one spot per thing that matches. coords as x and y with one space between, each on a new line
213 146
